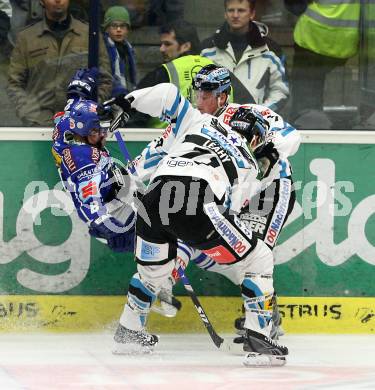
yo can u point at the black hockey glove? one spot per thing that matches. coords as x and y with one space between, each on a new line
267 157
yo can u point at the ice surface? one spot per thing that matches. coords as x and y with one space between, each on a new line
85 361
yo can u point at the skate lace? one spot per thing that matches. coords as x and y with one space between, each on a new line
274 343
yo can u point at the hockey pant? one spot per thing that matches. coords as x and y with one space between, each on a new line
219 234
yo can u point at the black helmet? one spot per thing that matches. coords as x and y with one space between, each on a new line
249 122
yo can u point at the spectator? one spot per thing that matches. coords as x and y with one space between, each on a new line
120 52
325 36
242 46
179 47
44 59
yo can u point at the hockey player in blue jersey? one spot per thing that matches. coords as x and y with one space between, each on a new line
96 183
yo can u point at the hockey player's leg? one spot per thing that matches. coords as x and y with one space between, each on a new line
131 335
257 291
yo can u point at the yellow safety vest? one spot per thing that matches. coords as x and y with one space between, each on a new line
330 28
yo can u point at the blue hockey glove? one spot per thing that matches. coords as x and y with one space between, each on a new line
83 84
119 236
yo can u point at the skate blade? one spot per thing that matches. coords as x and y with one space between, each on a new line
253 359
131 349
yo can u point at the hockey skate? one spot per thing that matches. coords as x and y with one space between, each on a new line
263 351
133 342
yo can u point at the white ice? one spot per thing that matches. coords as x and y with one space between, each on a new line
85 362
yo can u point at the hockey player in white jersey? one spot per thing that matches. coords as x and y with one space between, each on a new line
267 212
200 176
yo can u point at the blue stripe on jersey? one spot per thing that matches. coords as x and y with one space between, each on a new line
173 110
185 250
200 258
181 117
155 161
287 130
283 167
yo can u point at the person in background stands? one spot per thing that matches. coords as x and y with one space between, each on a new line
325 36
242 46
45 57
121 54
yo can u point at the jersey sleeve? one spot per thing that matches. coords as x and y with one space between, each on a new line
284 136
165 102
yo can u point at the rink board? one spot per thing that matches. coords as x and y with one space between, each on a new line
95 313
54 276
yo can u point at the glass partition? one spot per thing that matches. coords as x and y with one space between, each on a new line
304 59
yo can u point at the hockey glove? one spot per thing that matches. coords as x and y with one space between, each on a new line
267 157
83 84
119 236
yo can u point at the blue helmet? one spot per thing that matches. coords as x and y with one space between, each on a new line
249 122
212 78
83 118
83 84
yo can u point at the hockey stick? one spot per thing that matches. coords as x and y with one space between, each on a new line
219 342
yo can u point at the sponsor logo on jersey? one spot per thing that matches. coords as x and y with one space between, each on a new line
68 159
228 114
220 254
90 189
148 251
86 174
280 213
55 134
172 163
256 223
231 235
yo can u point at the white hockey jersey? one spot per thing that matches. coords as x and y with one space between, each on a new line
194 145
284 136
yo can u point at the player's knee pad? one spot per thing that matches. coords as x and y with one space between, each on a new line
154 277
257 292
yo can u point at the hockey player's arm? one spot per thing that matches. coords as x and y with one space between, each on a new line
166 102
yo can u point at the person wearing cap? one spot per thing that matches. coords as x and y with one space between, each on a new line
116 28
